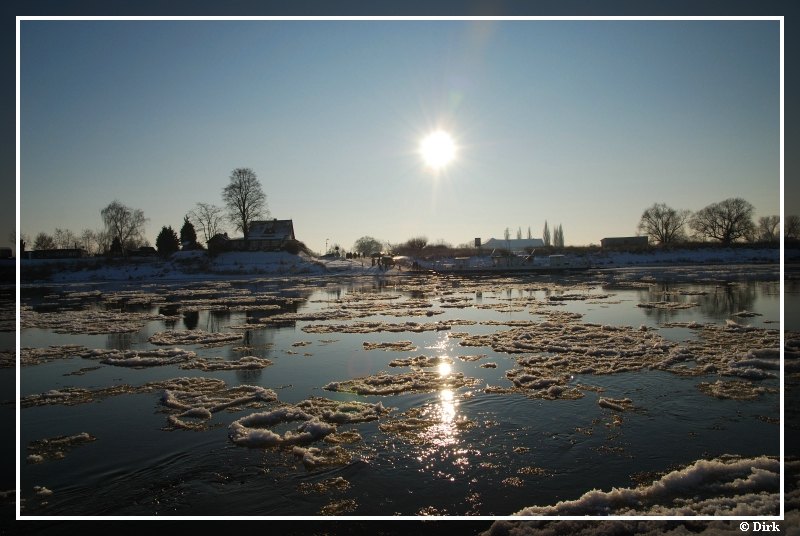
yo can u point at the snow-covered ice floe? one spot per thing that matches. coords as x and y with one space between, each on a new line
397 346
730 486
36 356
250 432
313 457
243 363
729 350
421 361
140 358
318 416
87 322
198 398
377 327
193 336
409 382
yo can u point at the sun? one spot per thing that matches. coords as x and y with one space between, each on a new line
438 149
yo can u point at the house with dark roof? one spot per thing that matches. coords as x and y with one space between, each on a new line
623 241
264 235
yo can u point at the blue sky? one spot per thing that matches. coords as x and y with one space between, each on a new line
580 123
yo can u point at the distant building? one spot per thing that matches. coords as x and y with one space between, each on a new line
623 241
516 244
58 254
269 235
143 251
5 253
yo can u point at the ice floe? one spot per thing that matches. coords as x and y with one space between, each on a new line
140 359
409 382
336 508
88 322
193 336
397 346
734 389
55 448
377 327
199 398
578 348
471 358
722 486
72 395
338 483
251 431
421 361
319 417
313 457
36 356
617 404
667 305
343 412
426 425
218 363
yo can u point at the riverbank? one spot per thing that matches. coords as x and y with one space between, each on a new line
198 264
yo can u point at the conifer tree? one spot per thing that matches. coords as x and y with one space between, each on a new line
167 242
188 234
116 247
546 234
558 236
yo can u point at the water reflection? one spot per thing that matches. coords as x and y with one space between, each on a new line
124 341
443 431
448 406
713 303
215 319
249 377
191 319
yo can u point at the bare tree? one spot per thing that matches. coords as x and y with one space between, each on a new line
663 224
726 221
44 241
558 236
244 199
124 223
65 239
87 240
417 243
546 234
791 227
529 233
768 228
209 218
519 233
366 245
102 239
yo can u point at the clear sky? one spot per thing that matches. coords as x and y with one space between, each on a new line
580 123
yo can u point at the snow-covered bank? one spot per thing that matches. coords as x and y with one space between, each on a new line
194 264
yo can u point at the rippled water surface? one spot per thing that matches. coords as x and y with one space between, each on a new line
468 450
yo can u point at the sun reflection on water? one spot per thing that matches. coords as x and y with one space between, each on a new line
445 425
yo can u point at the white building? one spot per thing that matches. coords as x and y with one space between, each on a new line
516 244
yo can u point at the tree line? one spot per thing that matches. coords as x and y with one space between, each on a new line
727 221
124 227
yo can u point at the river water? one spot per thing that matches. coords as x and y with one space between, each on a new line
499 413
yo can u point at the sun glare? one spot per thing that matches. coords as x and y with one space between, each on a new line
438 149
